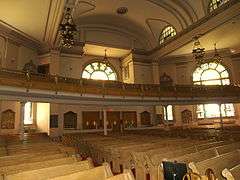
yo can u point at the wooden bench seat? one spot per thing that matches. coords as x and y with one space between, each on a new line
235 171
126 175
196 157
19 159
98 173
36 165
218 164
51 172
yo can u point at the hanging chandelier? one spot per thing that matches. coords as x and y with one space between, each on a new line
216 57
105 58
198 51
67 30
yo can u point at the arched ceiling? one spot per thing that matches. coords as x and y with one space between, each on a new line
100 24
144 20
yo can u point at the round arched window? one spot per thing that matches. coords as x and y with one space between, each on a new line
212 74
166 34
214 4
99 71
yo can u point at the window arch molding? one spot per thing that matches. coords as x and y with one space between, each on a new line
215 4
163 36
99 60
212 73
222 63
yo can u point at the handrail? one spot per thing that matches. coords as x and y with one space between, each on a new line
114 88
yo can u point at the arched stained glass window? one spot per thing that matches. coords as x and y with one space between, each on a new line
166 34
212 74
214 4
99 71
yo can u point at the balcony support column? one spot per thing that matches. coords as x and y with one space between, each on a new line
105 122
21 122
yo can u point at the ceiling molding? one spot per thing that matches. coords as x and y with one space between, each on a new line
19 37
54 18
203 26
91 7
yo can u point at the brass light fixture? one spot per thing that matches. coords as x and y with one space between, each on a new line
105 59
67 30
198 51
216 57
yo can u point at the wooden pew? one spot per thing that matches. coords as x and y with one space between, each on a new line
99 173
126 175
218 164
29 158
235 171
36 165
50 172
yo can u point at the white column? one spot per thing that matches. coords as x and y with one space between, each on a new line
105 122
138 119
221 118
79 120
21 122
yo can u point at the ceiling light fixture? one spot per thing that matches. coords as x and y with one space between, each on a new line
198 51
122 10
216 57
67 30
105 59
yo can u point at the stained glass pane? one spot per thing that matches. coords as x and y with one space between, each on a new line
212 110
167 33
85 75
200 111
99 75
102 66
204 66
99 71
210 74
224 74
95 66
89 68
112 77
211 82
225 82
213 74
220 68
109 70
212 65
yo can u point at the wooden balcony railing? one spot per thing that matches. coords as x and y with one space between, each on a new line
113 88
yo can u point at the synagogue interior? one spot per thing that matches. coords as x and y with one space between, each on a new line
131 90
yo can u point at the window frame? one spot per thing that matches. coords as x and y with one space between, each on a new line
212 6
108 65
163 38
200 82
166 116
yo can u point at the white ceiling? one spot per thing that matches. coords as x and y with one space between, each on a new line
225 36
100 51
145 18
28 16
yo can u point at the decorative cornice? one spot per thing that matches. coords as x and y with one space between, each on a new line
19 37
232 6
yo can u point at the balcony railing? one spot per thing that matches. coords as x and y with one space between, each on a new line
112 88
